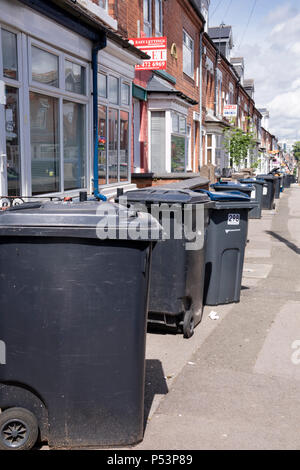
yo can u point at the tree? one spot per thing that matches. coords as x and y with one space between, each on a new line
238 143
296 150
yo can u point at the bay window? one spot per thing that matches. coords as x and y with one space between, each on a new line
58 120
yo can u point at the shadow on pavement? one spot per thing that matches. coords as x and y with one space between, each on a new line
289 244
155 384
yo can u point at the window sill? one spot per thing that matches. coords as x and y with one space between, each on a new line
188 76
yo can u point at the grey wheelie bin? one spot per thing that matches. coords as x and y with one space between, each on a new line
256 195
177 272
268 191
73 308
225 247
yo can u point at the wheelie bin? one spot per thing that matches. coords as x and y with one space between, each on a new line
225 247
73 309
247 188
177 271
244 187
278 182
256 195
268 191
286 181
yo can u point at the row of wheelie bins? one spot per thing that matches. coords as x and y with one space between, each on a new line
80 281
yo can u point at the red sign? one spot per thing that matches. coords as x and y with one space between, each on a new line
156 48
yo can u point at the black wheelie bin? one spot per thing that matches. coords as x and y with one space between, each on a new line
268 191
256 195
177 271
73 303
225 246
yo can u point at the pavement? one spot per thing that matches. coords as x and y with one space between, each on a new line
236 383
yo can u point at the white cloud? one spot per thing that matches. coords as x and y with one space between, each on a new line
274 64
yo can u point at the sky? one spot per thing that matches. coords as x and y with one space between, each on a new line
267 34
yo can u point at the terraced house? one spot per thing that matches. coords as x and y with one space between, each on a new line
90 101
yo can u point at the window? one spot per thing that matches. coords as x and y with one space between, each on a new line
113 146
102 85
102 134
158 18
209 146
12 140
113 128
148 18
188 55
124 155
114 90
45 149
74 78
44 67
74 145
10 57
178 143
231 93
125 94
103 4
158 138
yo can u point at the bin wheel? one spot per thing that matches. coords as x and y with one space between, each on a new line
188 324
18 429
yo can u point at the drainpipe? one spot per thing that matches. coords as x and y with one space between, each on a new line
200 100
96 48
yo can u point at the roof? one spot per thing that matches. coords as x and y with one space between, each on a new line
82 20
158 85
249 83
220 32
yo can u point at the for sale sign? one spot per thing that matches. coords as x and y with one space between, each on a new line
230 110
156 48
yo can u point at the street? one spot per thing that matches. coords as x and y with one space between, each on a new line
235 384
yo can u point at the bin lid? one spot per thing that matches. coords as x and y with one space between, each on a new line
252 180
267 177
85 219
231 185
226 195
165 195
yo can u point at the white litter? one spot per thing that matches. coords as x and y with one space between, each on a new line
213 315
192 363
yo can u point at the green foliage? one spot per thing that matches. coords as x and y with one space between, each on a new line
256 164
238 142
296 150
